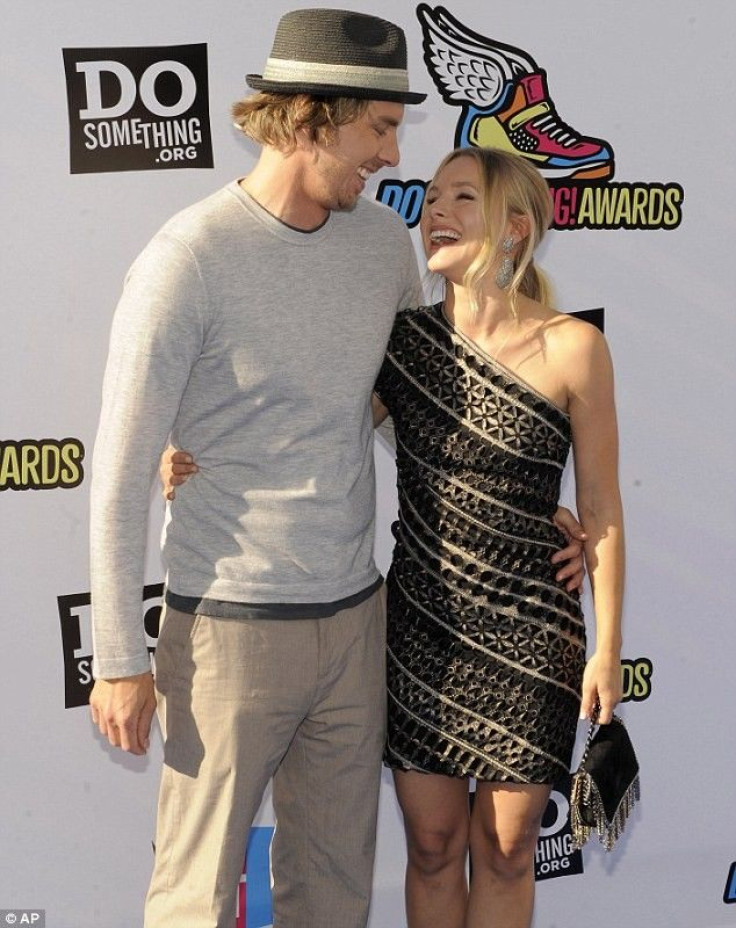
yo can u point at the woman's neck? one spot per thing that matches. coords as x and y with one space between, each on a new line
482 315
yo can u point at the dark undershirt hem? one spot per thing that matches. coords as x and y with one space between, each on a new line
221 609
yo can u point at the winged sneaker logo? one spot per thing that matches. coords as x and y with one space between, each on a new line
505 103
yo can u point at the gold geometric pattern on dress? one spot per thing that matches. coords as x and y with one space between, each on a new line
485 648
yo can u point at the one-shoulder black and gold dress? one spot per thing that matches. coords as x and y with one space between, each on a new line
486 650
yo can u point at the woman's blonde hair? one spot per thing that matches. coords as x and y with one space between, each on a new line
275 118
510 187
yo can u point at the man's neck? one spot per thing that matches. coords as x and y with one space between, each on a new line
275 183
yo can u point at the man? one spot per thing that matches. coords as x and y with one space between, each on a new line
251 329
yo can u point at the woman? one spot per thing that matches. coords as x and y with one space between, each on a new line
486 649
486 645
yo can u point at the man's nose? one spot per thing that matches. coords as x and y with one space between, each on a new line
389 153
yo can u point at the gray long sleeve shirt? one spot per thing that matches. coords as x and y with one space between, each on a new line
256 347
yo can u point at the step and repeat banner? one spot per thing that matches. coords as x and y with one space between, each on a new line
115 116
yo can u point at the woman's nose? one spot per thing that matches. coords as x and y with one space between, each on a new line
437 208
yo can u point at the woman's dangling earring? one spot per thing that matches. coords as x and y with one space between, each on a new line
506 272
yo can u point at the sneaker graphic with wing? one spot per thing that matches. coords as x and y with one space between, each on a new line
505 101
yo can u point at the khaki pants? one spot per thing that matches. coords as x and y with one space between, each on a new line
240 702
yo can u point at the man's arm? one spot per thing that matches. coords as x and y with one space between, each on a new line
156 338
571 556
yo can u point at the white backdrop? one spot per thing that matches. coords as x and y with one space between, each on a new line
649 78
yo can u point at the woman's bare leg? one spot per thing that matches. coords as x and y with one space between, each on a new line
436 821
503 837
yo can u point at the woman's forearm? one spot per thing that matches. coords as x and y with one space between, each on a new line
605 560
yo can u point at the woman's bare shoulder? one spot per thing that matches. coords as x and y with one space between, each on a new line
569 335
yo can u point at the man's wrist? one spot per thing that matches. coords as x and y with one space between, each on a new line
131 678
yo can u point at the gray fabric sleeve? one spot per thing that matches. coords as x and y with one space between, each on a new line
157 335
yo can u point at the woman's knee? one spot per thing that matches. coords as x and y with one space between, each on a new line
432 849
436 820
508 857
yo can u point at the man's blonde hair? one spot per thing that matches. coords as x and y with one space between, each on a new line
275 118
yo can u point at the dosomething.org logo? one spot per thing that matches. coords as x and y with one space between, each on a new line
75 615
138 109
505 104
555 855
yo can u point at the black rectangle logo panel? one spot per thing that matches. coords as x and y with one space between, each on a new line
138 109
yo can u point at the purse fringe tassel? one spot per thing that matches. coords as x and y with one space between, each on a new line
585 800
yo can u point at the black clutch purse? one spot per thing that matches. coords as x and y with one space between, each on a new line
605 787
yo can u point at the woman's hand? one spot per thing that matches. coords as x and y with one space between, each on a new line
176 468
601 684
